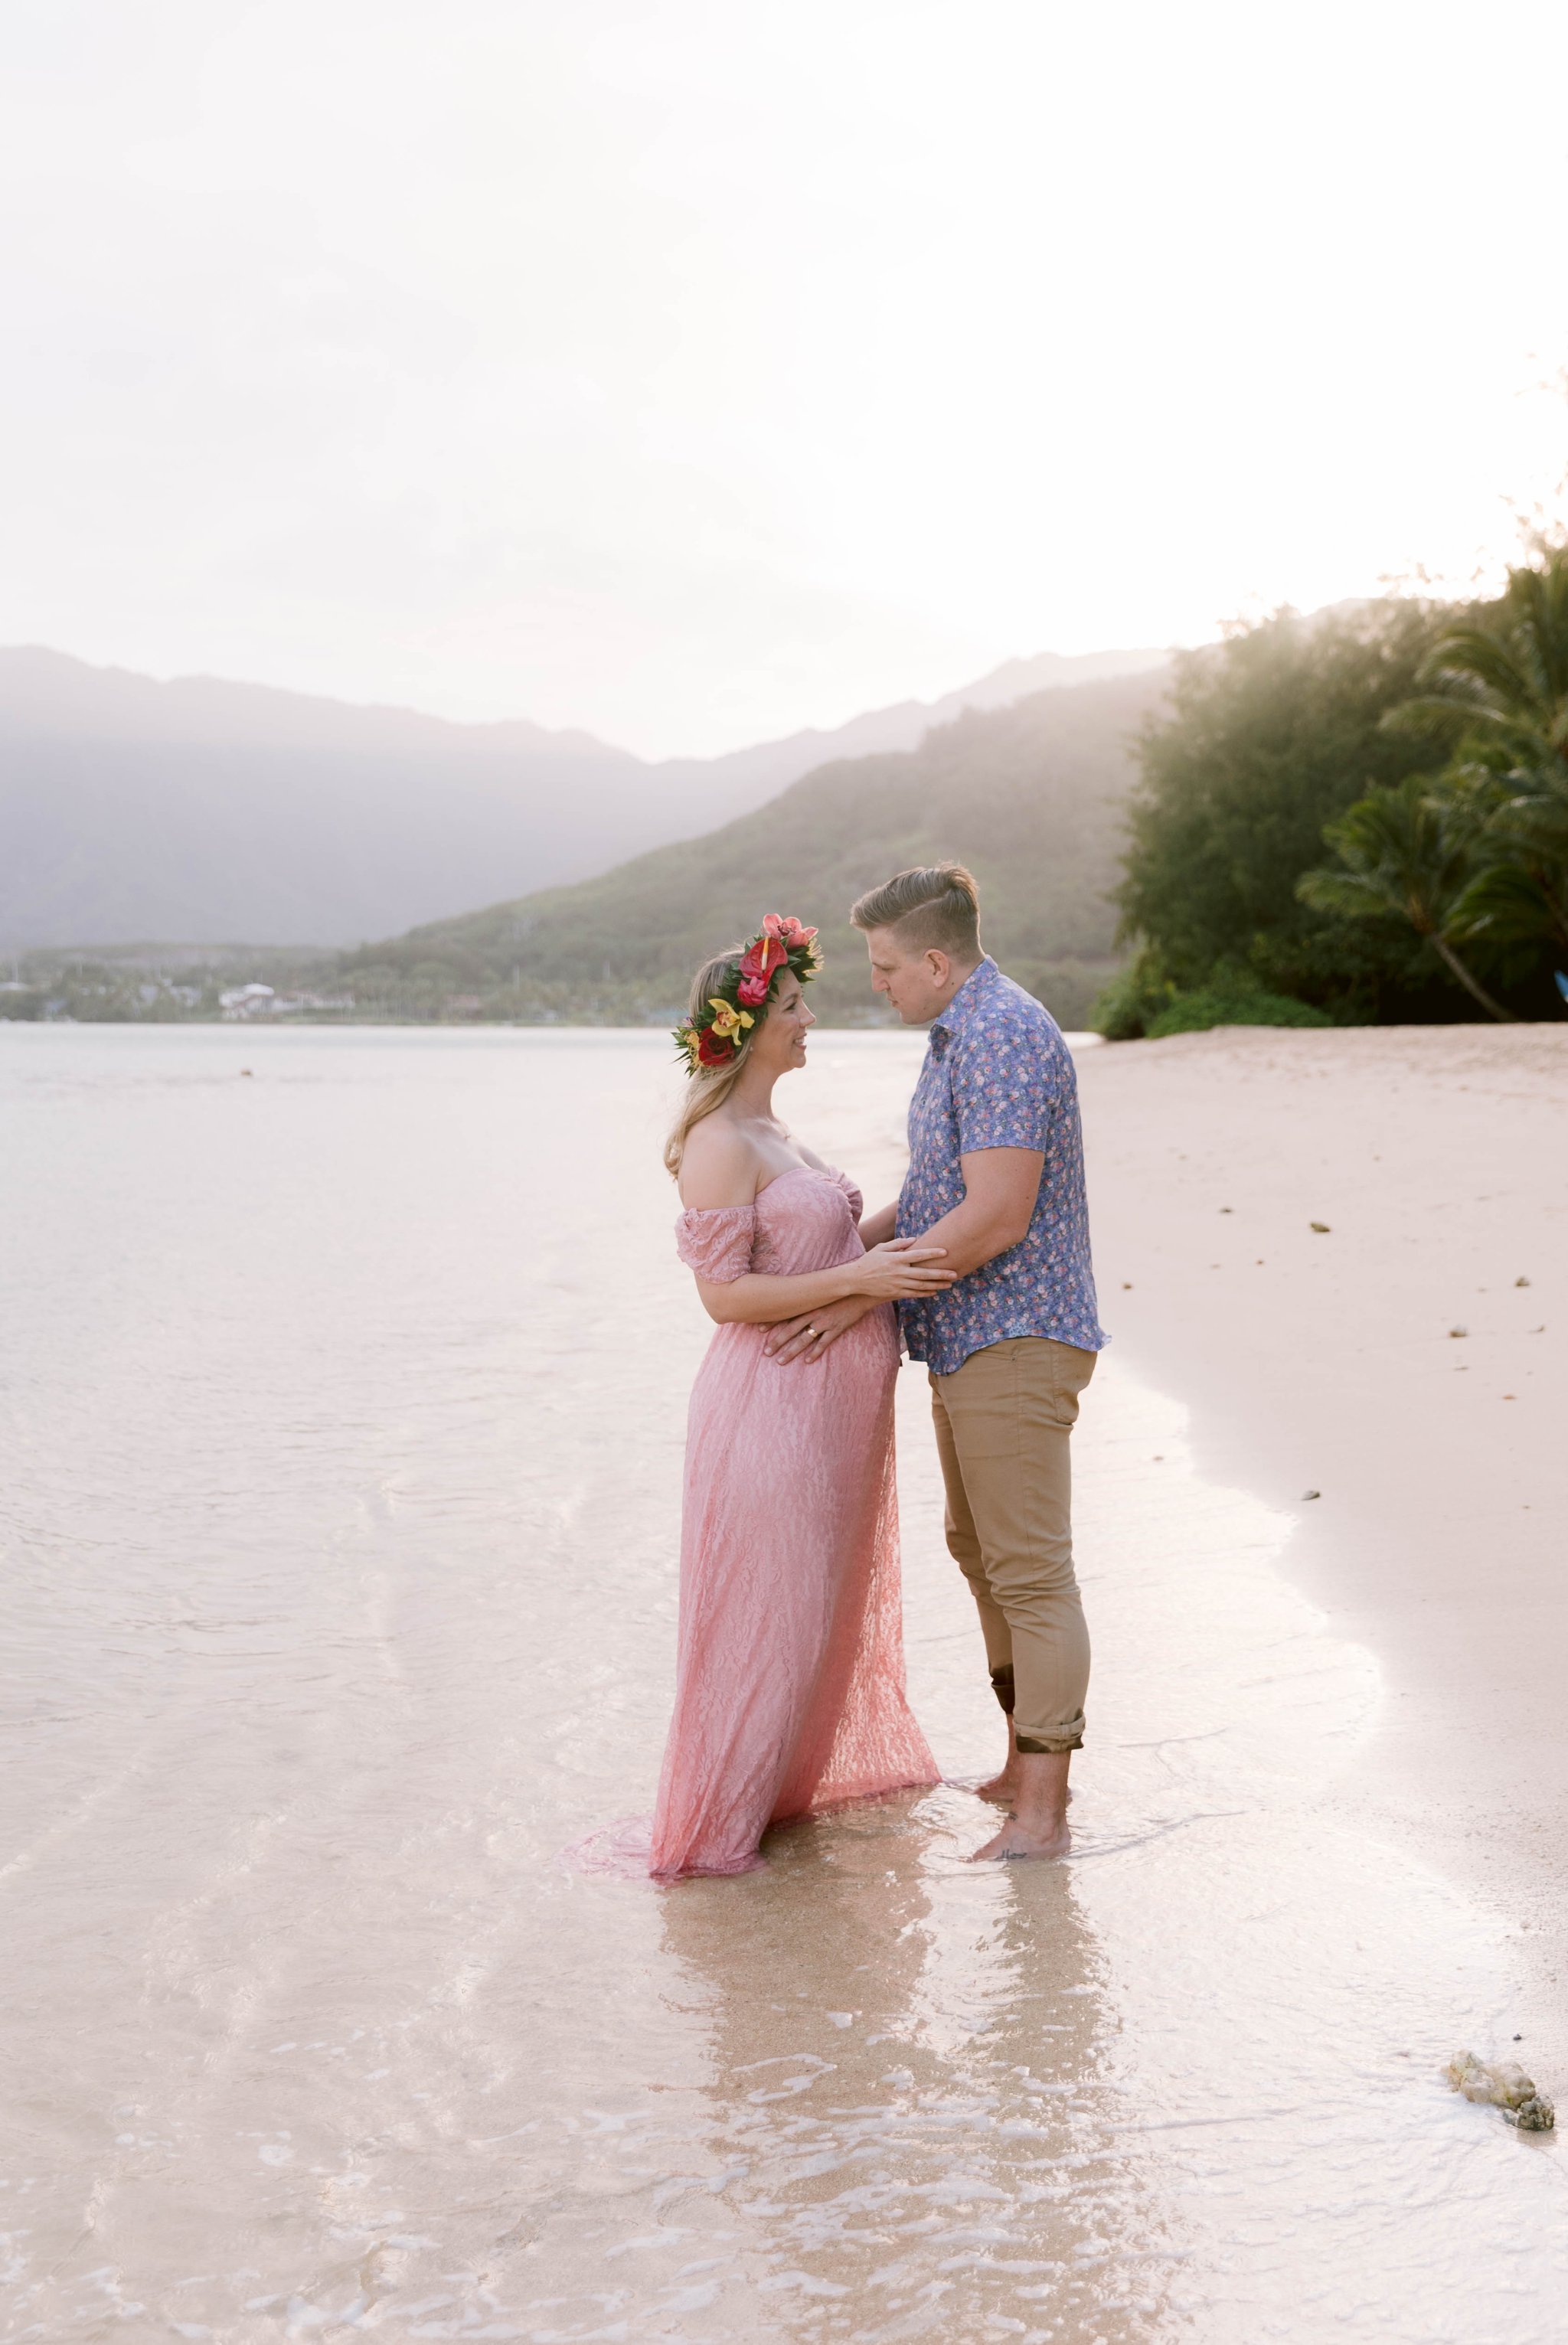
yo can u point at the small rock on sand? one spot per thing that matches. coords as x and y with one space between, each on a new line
1504 2086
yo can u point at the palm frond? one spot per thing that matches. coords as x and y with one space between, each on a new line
1435 715
1539 598
1471 665
1502 905
1349 893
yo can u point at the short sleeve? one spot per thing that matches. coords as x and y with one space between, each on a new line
717 1241
1005 1083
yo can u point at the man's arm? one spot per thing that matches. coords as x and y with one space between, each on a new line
1000 1186
1000 1189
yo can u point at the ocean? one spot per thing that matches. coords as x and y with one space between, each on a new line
341 1405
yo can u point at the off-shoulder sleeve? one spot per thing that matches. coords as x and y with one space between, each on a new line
717 1241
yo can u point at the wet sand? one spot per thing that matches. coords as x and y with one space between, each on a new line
343 1404
1327 1362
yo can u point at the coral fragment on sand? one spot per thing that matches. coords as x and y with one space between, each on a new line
1505 2086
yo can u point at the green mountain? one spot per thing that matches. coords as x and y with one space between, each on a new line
203 811
1028 795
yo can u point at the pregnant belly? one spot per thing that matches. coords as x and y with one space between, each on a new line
865 1356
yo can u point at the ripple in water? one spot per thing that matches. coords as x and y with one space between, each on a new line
343 1408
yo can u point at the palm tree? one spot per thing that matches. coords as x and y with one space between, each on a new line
1403 850
1499 688
1518 814
1502 683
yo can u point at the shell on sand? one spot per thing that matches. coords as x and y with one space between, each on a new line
1503 2086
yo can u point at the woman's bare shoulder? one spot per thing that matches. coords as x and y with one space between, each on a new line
718 1166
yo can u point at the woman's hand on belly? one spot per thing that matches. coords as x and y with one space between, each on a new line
815 1332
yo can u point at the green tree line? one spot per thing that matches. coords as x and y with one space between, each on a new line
1361 818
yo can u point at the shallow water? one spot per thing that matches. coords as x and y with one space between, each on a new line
341 1406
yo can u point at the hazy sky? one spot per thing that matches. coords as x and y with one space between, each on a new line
692 372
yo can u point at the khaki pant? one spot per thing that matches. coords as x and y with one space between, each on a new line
1003 1423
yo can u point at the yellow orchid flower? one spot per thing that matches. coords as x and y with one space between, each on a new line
727 1021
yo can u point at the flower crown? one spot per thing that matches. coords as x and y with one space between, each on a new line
718 1032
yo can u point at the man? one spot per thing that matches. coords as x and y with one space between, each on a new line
996 1176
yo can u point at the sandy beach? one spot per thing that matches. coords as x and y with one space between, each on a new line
1407 1363
345 1404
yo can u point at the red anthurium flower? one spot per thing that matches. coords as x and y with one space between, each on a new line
761 959
760 965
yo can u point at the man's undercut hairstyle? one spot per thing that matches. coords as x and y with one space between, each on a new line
935 908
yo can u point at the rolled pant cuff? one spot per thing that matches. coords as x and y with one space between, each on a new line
1032 1746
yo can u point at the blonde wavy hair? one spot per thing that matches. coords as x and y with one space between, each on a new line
706 1087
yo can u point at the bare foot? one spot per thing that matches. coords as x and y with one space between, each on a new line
1003 1788
1039 1795
1013 1840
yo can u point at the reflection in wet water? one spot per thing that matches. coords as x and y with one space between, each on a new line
343 1408
907 2114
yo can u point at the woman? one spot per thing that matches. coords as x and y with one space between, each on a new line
790 1692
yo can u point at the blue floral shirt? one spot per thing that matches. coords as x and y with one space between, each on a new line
998 1074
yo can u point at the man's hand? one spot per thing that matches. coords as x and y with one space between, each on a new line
813 1333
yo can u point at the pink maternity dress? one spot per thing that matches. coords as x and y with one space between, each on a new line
790 1690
